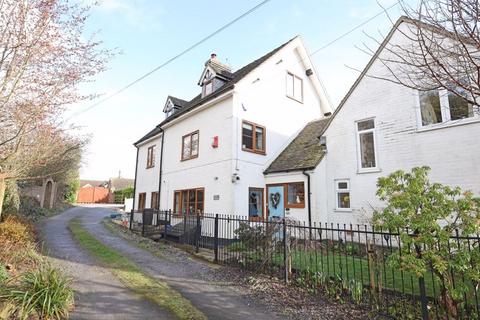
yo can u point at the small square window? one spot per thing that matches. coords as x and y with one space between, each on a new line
342 190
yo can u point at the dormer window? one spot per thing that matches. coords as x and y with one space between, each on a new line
207 88
173 105
214 75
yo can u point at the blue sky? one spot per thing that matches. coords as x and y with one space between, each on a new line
148 32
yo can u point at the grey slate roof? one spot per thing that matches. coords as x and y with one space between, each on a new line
178 102
198 100
304 152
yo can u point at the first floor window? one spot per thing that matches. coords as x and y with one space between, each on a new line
190 146
295 195
438 106
342 190
154 200
430 107
189 201
253 137
294 87
366 141
151 157
255 203
141 200
459 107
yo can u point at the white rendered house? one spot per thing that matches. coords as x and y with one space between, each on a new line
210 153
378 128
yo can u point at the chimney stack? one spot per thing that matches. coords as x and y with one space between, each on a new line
213 56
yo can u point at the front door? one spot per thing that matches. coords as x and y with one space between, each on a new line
276 208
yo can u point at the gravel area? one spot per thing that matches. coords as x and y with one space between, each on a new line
194 279
98 294
271 293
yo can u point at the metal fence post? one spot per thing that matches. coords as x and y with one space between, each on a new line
285 250
143 223
184 227
198 231
423 298
215 239
131 220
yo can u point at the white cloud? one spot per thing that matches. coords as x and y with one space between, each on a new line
140 14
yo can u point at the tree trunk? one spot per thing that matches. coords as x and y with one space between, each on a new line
2 194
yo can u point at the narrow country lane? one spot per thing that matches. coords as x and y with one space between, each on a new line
193 279
98 294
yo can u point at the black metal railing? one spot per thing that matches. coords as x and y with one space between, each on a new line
346 262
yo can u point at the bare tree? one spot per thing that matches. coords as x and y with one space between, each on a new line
44 56
442 50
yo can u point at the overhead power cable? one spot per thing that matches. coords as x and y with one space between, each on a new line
196 44
167 62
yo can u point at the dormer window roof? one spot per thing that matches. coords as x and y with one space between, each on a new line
172 105
214 75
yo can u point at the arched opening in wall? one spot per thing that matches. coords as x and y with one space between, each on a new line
48 195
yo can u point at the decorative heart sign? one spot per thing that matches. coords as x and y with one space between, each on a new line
275 199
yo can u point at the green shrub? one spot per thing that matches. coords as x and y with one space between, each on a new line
44 292
30 207
426 216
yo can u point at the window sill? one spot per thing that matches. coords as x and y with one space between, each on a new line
451 123
254 151
342 210
295 206
299 101
369 170
186 159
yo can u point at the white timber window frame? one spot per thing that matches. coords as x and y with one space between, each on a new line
361 166
342 189
445 112
294 87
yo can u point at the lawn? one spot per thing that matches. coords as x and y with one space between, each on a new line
347 266
132 276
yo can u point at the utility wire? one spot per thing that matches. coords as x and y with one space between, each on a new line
193 46
215 33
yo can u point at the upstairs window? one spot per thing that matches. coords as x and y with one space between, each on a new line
294 87
342 190
151 157
190 146
441 106
207 88
366 145
253 137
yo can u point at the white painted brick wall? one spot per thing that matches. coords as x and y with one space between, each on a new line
453 152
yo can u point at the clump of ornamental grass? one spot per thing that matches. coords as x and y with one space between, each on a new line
44 292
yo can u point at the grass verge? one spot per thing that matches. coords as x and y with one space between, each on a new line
132 276
155 248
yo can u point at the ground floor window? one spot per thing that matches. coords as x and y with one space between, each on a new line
342 190
154 200
295 195
255 203
141 200
189 201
